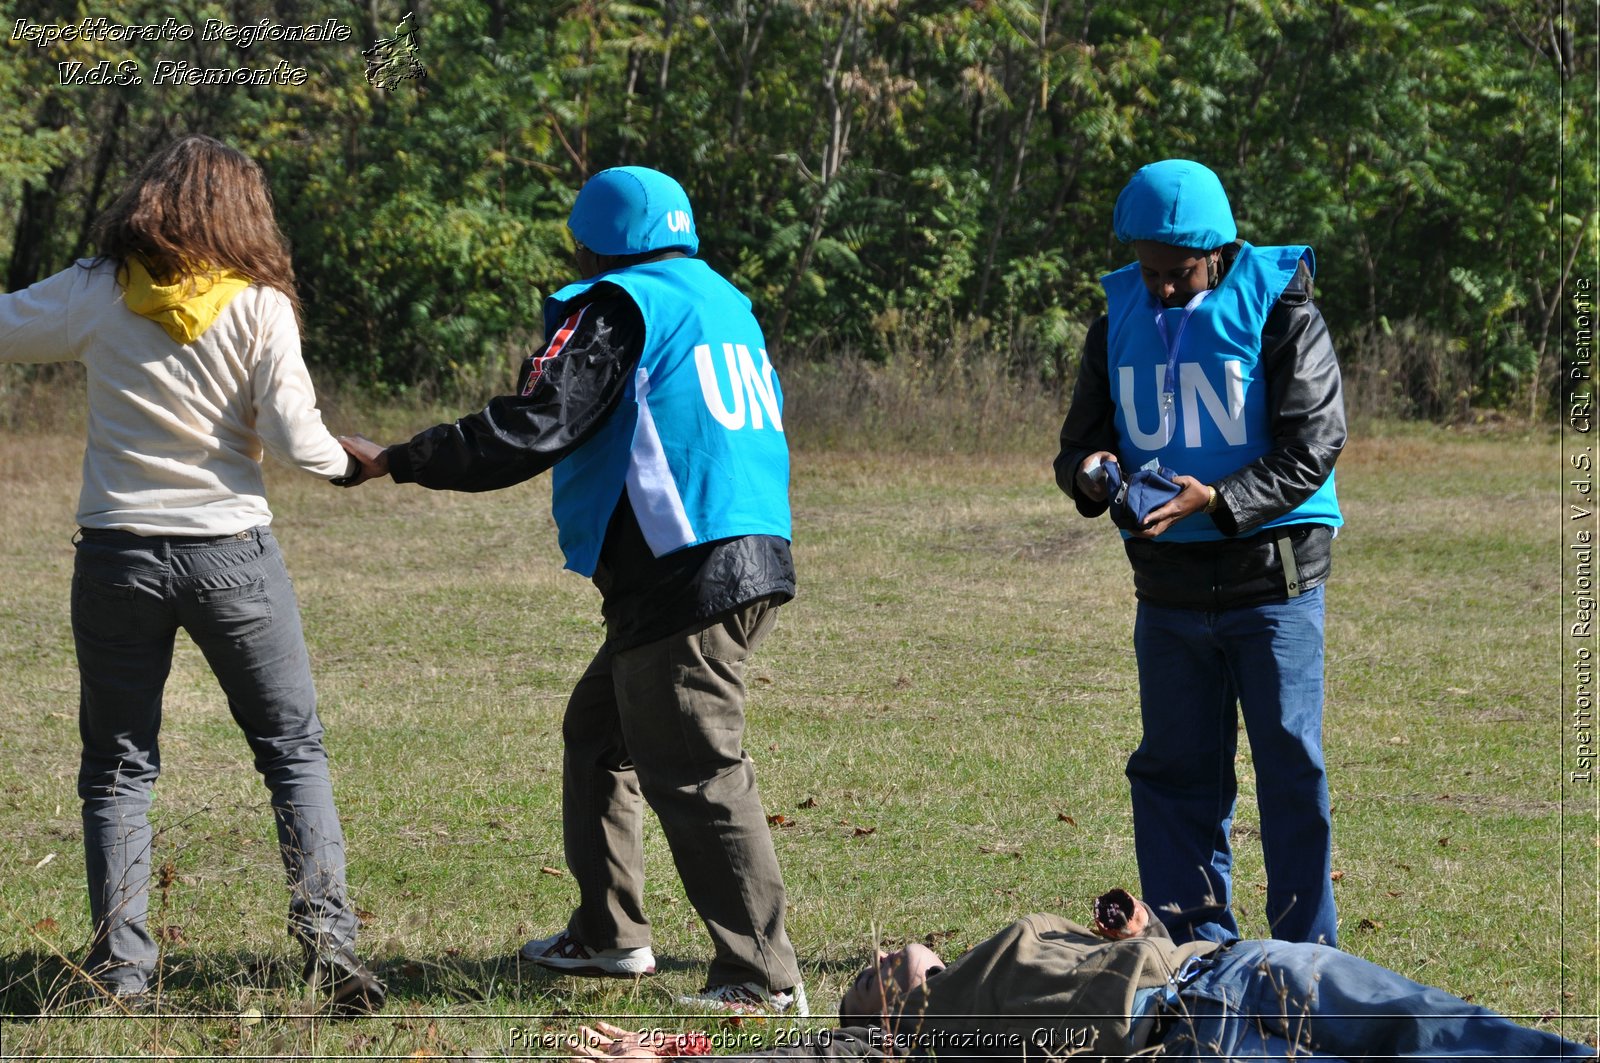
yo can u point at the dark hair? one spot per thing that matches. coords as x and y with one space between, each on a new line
848 1019
199 205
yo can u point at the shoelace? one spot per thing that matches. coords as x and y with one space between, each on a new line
570 949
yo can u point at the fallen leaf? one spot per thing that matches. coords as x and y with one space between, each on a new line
810 802
778 819
1369 924
902 682
863 831
764 680
169 875
249 1016
1393 893
1443 842
45 861
556 871
172 934
1062 817
1336 875
46 926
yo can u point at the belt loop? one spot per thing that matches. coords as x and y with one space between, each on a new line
1291 570
77 536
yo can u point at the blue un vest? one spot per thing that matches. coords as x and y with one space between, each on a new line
1219 420
697 438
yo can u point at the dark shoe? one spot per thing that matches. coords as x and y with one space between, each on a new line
112 1005
344 983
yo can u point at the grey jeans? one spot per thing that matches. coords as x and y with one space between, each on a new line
130 595
665 722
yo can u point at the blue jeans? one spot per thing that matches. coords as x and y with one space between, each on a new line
1283 1000
1198 671
130 594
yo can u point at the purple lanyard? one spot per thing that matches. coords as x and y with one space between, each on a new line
1169 386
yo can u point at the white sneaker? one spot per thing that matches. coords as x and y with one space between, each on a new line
566 954
750 998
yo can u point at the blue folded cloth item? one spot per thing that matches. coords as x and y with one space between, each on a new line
1134 499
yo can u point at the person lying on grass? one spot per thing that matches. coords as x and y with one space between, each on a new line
1046 986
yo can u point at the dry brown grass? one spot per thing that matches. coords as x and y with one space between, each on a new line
954 679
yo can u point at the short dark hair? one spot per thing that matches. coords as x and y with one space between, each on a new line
848 1019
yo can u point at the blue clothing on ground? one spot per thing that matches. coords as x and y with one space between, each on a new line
1280 1000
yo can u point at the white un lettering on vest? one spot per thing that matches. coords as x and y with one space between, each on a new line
1195 392
752 392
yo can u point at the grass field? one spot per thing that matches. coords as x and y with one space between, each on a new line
940 721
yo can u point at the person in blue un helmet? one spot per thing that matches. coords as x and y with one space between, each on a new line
1213 363
654 402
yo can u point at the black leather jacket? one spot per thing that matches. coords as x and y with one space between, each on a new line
1305 401
562 399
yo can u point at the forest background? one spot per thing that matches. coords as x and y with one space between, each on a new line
903 181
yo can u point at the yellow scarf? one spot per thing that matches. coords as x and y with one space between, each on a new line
185 309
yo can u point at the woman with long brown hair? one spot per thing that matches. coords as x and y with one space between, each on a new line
188 326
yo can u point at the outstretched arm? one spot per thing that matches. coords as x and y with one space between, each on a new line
565 392
285 404
33 321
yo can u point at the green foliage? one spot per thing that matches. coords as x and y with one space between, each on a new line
872 172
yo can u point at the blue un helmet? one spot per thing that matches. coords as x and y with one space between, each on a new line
632 210
1175 202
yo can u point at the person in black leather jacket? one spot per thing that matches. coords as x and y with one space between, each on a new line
679 511
1214 362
